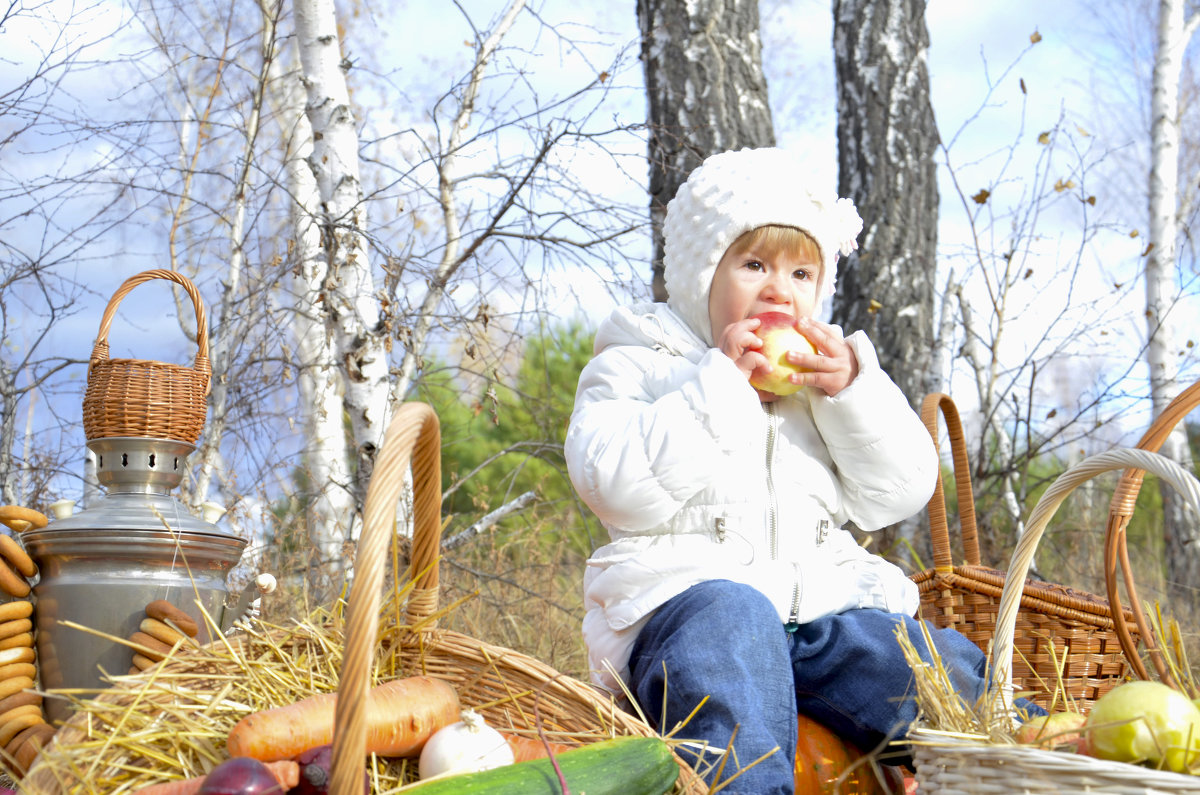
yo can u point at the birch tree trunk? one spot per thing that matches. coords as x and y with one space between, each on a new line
350 306
707 94
1181 537
886 142
330 514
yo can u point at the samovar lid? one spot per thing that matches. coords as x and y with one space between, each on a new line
138 473
138 464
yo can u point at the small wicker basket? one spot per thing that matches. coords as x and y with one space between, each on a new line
382 640
1053 620
142 397
956 764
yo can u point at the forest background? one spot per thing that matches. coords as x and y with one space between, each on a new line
478 200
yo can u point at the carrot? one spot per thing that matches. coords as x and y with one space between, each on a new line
286 771
401 715
526 748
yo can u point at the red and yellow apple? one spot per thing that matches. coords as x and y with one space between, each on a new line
1145 722
779 336
1060 730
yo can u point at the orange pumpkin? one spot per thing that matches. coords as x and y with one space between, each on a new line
822 757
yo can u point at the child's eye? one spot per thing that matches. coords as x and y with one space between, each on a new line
802 275
753 265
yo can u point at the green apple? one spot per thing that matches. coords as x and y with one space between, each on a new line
779 336
1146 722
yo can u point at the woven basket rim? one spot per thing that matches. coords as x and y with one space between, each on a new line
1020 761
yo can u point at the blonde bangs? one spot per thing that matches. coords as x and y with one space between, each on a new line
795 242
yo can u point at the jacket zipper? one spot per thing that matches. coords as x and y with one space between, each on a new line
773 515
772 501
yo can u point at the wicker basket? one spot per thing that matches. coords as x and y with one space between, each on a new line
510 689
1052 618
954 764
140 397
1116 553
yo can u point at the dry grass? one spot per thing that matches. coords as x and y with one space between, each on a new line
171 722
532 602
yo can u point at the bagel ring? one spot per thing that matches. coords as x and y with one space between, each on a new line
15 627
17 556
15 685
14 611
17 725
17 654
24 709
17 641
20 700
157 629
164 611
12 670
35 738
11 515
150 646
12 583
141 662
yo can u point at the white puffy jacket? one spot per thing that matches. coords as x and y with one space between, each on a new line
695 479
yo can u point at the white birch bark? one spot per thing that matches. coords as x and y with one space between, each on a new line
706 93
351 307
1164 321
326 459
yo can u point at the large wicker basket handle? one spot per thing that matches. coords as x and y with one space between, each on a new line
1116 550
100 347
939 527
1010 599
413 439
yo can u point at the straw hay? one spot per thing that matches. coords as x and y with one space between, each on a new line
171 722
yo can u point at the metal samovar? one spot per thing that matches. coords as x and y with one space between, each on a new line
101 566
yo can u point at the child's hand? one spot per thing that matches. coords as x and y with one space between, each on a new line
739 342
834 368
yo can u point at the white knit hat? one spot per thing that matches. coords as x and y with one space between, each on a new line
728 195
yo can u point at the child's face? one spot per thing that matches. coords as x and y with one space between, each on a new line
759 277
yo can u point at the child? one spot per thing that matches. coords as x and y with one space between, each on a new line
729 575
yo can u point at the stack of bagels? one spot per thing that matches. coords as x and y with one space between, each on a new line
23 727
164 626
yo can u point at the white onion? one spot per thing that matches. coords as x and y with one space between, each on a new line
468 746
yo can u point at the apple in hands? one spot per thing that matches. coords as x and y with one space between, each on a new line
779 336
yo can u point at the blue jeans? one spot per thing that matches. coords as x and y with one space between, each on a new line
724 640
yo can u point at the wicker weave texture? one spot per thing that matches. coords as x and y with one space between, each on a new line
950 766
1050 635
141 397
1056 626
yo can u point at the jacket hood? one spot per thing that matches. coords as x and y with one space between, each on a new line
649 325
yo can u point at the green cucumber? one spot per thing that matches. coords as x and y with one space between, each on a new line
620 766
